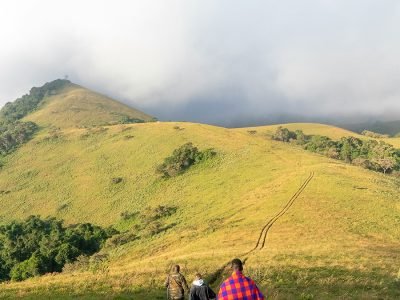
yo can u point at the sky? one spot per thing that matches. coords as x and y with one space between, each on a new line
214 61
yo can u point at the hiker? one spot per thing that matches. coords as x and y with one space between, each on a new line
176 284
239 287
200 290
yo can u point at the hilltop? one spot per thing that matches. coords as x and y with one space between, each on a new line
76 106
338 238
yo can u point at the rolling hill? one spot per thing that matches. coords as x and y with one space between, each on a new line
338 238
75 106
385 127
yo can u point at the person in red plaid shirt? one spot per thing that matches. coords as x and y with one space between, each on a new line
239 287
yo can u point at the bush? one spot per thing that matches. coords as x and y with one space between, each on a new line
121 239
152 214
116 180
182 158
283 135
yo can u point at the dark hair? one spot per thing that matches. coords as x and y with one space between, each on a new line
175 269
198 275
237 264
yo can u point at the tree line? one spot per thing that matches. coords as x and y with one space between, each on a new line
368 153
37 246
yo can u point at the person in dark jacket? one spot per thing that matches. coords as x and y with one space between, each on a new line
176 284
200 290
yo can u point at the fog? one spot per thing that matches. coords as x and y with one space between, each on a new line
223 62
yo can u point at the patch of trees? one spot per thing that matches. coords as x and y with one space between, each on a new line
14 134
148 223
182 158
374 134
369 154
18 109
37 246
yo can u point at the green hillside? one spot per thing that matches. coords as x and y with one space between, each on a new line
75 106
339 238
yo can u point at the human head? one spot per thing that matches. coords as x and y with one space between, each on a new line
237 265
198 276
175 269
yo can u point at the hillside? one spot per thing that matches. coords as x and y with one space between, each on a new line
384 127
334 133
339 239
76 106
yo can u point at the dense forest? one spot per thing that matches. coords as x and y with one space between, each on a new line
37 246
368 153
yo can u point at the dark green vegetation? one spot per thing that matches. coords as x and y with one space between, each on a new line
37 246
18 109
13 132
369 154
182 158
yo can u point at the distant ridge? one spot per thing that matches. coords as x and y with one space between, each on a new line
75 106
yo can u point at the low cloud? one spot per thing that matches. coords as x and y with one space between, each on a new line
211 61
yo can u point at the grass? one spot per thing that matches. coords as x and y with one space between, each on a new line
340 239
76 106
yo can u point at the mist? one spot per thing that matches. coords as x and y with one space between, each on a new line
221 62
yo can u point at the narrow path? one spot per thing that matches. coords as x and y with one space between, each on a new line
261 242
264 231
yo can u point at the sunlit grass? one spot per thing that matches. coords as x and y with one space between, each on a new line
339 239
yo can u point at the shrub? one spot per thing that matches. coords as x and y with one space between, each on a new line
121 239
116 180
182 158
283 135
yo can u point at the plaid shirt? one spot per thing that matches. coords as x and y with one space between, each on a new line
239 287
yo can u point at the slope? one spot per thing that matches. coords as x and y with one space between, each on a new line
339 239
75 106
333 132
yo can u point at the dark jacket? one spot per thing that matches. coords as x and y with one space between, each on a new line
177 286
201 292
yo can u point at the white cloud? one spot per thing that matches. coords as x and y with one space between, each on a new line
246 57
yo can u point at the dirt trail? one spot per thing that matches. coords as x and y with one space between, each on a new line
264 231
261 242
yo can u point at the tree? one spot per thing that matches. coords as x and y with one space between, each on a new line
283 135
386 164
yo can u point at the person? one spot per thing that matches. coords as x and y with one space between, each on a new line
239 287
176 284
200 290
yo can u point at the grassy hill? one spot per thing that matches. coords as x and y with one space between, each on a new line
334 133
75 106
339 239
